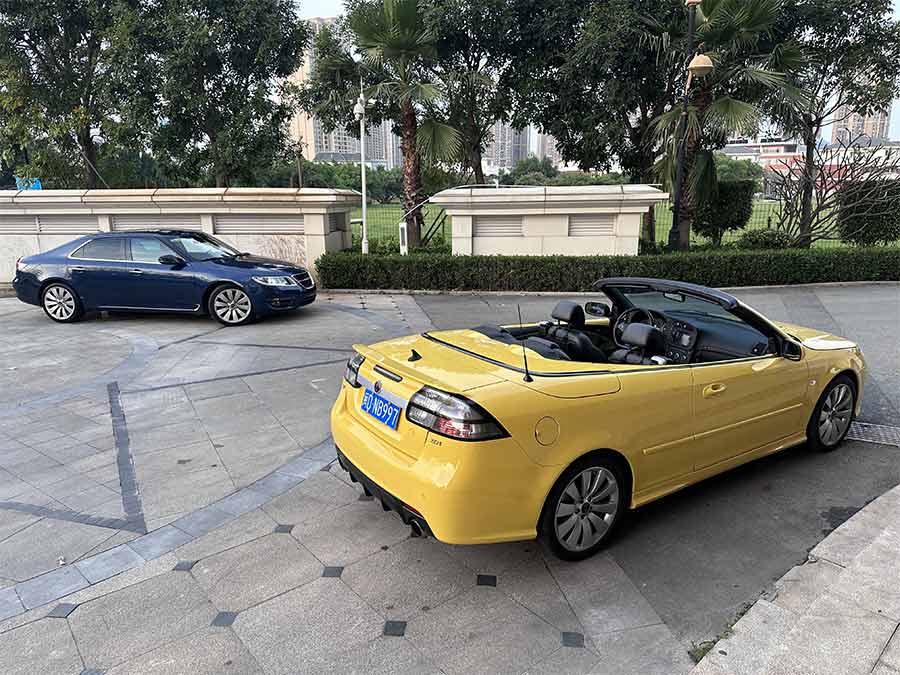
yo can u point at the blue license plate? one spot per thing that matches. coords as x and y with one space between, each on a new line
381 409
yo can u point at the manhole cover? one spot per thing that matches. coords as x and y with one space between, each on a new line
874 433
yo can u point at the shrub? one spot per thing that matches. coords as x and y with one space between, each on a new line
764 239
729 209
572 273
869 212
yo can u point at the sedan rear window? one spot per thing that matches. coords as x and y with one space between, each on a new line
107 248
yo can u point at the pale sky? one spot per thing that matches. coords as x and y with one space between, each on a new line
313 8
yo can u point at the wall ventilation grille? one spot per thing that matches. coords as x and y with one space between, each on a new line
592 225
497 226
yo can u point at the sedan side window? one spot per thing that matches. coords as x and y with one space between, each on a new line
107 248
148 249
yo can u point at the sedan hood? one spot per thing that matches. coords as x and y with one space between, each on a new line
254 262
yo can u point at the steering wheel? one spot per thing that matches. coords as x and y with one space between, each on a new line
634 315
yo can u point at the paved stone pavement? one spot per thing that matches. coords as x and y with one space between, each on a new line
211 441
838 612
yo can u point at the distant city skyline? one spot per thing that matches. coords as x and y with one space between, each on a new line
314 8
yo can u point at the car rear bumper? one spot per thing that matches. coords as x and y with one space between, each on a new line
27 288
407 514
466 493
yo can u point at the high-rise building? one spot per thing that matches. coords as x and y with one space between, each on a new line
547 149
507 147
338 145
849 126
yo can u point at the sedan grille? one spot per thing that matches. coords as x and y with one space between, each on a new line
304 279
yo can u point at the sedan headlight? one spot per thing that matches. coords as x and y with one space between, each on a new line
275 281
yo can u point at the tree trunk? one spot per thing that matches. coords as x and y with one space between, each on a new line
477 166
412 174
648 229
648 223
221 177
689 199
89 157
806 198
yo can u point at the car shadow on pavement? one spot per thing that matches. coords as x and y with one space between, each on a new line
700 555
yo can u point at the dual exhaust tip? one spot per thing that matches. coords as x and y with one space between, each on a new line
417 528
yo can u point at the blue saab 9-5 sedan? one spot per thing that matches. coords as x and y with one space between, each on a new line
160 271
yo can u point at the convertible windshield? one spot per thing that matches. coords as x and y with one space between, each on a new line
204 247
676 302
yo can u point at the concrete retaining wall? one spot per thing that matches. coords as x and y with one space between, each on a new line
296 225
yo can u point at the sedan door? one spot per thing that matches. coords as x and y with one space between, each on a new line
99 270
744 404
154 285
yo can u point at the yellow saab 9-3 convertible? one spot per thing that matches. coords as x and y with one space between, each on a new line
506 433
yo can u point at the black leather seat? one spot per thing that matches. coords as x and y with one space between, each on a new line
645 341
569 333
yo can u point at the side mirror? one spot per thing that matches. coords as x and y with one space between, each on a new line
170 260
791 350
600 309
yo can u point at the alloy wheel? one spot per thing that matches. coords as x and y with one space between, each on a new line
232 305
586 509
836 414
60 303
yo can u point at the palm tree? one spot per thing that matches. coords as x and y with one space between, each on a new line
396 46
749 65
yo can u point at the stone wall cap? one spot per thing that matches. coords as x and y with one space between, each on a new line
556 195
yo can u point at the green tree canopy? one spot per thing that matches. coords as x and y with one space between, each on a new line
220 91
851 64
69 74
728 169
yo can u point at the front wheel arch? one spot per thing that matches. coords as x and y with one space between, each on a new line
207 294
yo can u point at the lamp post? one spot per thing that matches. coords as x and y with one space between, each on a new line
700 66
359 111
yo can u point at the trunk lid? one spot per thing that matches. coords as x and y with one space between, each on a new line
478 360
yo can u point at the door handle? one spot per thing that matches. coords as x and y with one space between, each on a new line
713 390
78 268
135 271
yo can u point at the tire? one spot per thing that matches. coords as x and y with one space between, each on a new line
573 529
832 415
61 303
230 305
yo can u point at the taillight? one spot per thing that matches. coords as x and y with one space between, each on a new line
453 416
351 372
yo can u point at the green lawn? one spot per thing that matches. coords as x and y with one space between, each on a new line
383 220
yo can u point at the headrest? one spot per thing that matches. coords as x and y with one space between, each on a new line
643 335
570 312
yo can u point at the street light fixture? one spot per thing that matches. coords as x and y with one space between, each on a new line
359 111
700 66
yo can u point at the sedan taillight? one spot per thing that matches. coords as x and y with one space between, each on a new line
351 372
453 416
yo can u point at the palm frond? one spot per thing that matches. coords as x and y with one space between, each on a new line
420 92
767 78
438 142
731 116
703 182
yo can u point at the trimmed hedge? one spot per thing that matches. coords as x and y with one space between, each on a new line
572 273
